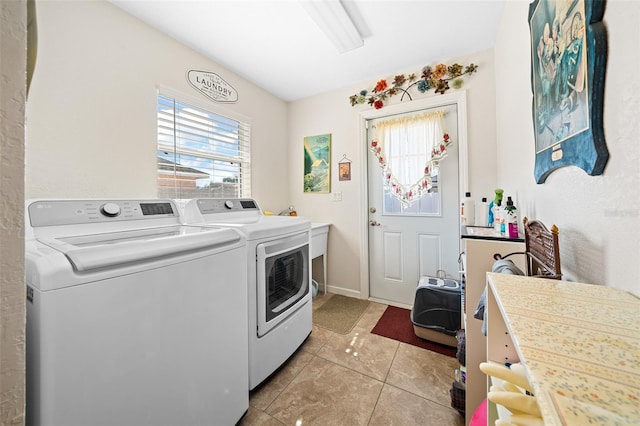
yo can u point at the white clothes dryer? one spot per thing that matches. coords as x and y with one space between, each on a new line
133 318
279 277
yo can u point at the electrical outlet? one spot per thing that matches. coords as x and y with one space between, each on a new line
337 196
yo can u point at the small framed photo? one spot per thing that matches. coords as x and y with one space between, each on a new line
344 170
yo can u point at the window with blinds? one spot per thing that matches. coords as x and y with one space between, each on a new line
201 153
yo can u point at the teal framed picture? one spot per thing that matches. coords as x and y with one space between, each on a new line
568 62
317 164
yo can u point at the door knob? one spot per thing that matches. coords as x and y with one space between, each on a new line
373 223
372 210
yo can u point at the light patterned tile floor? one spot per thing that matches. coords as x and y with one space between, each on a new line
356 379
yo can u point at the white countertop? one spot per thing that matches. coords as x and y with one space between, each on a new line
580 344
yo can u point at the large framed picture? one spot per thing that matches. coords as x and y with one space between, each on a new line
568 61
317 164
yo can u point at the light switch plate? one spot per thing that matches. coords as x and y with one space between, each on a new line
337 196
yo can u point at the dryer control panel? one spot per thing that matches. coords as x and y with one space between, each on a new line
222 205
68 212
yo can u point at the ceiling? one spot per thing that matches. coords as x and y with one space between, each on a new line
277 46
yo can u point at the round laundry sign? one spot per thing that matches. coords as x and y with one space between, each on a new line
212 86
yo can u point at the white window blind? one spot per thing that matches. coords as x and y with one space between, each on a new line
201 153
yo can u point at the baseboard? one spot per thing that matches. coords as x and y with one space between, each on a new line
391 303
358 295
344 291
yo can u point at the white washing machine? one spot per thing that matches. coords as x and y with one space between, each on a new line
133 318
279 277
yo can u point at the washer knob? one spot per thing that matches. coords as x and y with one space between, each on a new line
110 209
228 204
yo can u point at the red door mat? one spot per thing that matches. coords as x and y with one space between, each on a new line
396 324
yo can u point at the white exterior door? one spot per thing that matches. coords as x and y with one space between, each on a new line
405 244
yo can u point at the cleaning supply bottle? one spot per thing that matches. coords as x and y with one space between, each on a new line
467 210
492 208
490 216
482 214
511 219
497 215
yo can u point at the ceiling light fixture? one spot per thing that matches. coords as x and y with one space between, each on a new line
334 21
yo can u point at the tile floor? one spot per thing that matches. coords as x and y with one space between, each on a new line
356 379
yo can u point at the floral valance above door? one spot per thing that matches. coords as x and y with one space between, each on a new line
409 150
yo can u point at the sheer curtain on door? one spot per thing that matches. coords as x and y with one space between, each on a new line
409 149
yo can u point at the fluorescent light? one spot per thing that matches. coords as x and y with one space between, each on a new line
333 20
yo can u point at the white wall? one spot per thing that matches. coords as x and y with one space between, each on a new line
13 43
332 113
597 216
91 114
91 132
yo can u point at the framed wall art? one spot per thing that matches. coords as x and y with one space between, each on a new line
344 168
568 62
317 164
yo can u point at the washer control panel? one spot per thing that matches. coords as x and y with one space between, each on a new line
110 209
67 212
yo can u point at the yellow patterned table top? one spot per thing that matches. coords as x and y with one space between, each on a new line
580 344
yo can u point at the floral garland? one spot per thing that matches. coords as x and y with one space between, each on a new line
408 195
432 78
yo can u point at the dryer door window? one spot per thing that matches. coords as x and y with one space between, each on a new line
283 279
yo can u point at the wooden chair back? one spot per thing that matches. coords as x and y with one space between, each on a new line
542 251
542 254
